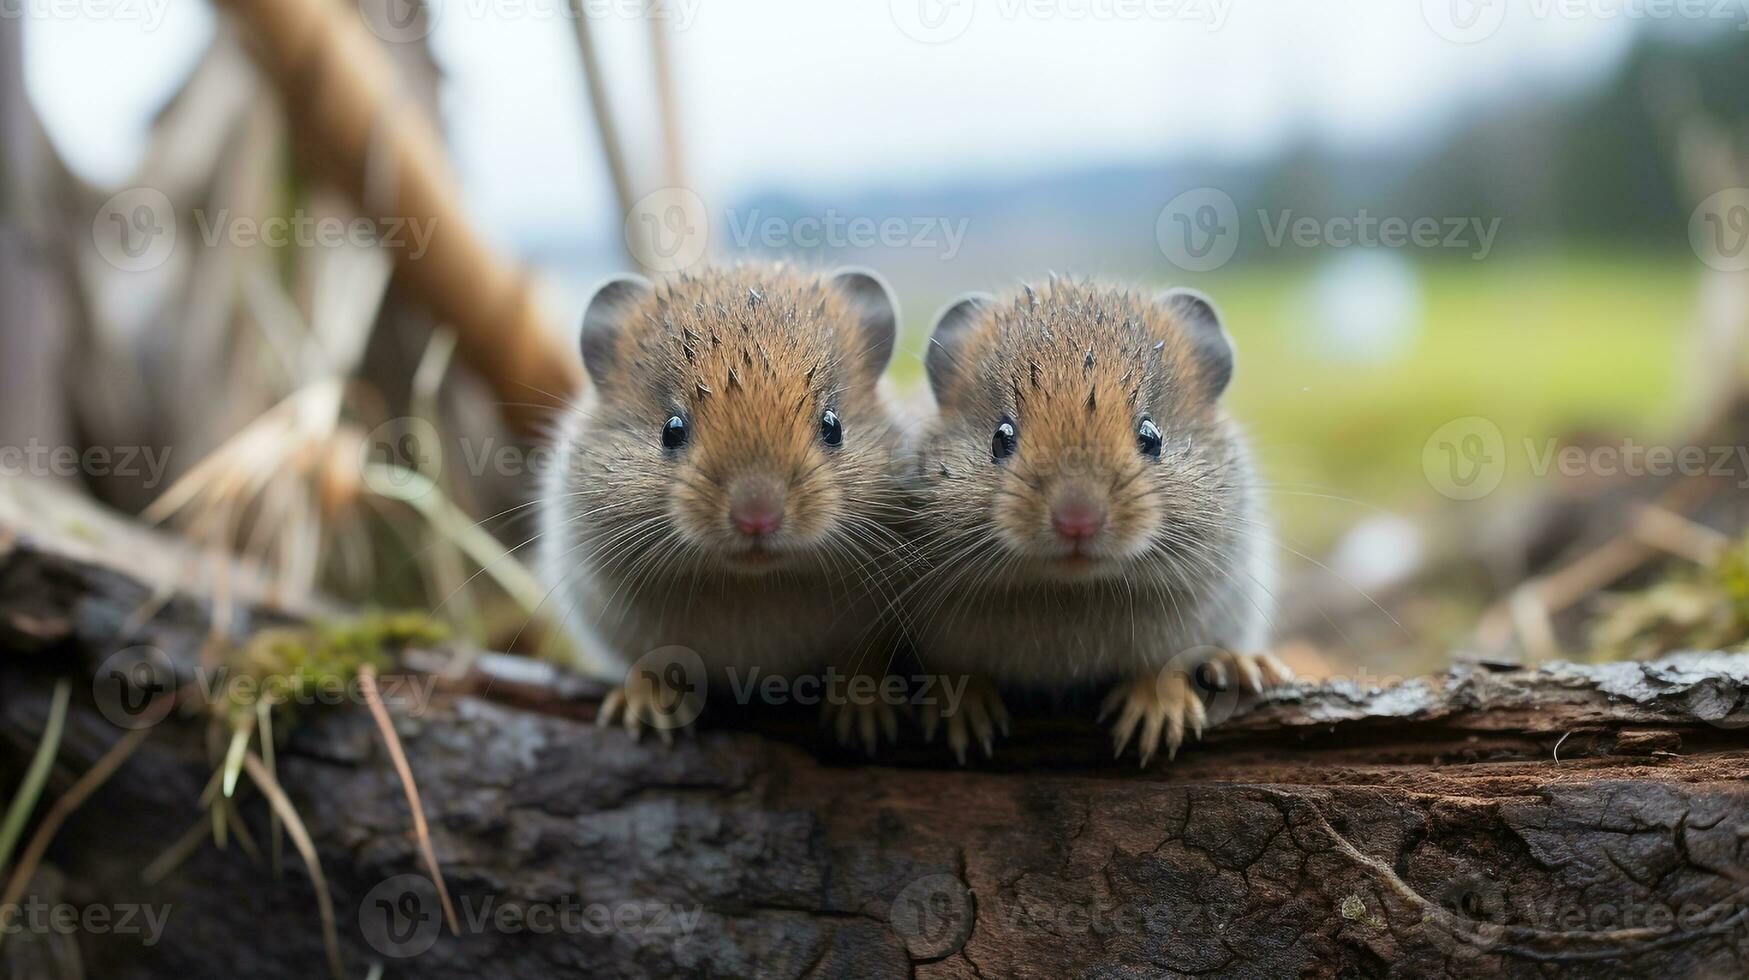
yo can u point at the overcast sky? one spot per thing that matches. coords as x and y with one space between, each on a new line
830 94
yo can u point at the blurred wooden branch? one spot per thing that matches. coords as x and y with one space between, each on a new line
355 126
34 319
612 146
1708 157
667 101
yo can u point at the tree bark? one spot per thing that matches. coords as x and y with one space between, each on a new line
1562 821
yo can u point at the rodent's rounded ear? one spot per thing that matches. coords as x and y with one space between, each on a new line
1195 313
605 317
877 314
952 327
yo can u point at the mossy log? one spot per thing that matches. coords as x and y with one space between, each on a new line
1557 821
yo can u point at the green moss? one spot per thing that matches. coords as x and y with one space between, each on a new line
1731 576
1354 910
319 663
1693 609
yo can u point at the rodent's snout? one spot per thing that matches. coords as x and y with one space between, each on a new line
1077 516
755 506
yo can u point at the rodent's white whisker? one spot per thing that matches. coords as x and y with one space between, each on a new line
742 456
1082 493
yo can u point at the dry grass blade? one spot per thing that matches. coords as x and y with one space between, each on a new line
238 469
239 829
264 722
24 801
63 808
667 103
399 483
1672 532
1597 568
273 468
444 573
170 860
612 148
221 825
234 758
294 826
367 684
428 376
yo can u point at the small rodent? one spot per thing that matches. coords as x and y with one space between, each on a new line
1088 510
724 483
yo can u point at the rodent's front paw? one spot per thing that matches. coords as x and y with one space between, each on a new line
1164 703
852 720
979 712
645 701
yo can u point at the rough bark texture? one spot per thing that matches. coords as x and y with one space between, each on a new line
1428 829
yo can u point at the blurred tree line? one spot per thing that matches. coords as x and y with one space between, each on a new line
1594 166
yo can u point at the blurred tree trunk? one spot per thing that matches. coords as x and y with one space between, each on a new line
357 128
34 311
405 327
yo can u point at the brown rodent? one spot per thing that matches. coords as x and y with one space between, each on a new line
1087 509
724 483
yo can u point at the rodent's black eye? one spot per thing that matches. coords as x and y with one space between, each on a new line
1002 444
1148 438
674 433
831 430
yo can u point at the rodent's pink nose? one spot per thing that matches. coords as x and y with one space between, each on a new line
1077 520
756 513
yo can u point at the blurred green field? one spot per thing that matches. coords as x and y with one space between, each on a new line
1541 346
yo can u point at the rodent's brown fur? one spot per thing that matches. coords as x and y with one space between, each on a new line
1181 559
638 539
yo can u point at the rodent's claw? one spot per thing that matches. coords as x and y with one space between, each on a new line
637 705
980 714
890 724
1275 673
610 707
957 738
867 722
1161 704
979 720
1257 672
